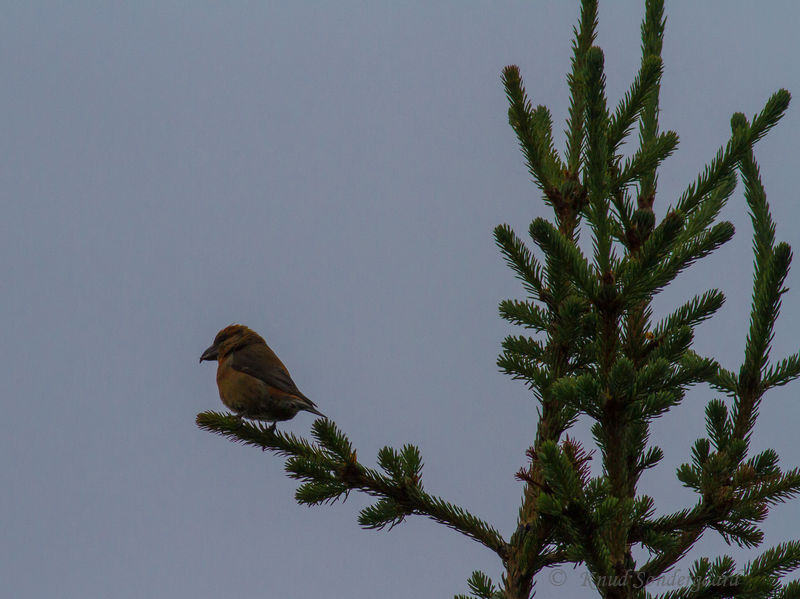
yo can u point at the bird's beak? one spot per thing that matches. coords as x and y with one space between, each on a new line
212 353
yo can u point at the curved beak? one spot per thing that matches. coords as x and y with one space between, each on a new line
212 353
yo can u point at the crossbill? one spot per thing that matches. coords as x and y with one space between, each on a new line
252 380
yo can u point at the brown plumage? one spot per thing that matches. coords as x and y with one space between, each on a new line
252 380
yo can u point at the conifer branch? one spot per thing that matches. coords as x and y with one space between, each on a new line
329 470
652 30
583 39
727 158
692 313
781 373
776 561
647 159
534 129
570 260
481 587
596 158
756 197
525 314
629 108
682 257
520 259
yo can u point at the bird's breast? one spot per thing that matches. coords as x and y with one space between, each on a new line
237 390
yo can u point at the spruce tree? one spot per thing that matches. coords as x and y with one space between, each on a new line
594 349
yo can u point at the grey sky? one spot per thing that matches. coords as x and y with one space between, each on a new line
328 174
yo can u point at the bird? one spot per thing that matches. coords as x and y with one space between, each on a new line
252 380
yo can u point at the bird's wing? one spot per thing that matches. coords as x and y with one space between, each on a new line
253 360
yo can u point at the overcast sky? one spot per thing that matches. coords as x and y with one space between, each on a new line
328 174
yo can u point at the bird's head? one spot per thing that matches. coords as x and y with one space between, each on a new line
230 338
